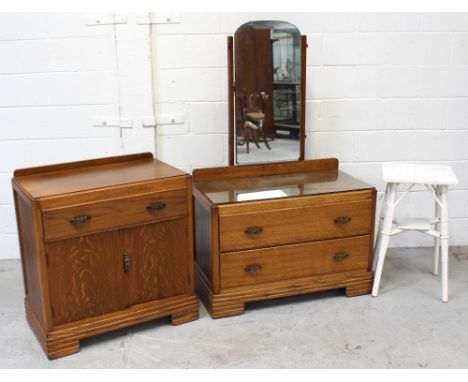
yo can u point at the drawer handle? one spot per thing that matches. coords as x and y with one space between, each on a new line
253 230
156 206
253 268
126 262
342 220
340 256
80 219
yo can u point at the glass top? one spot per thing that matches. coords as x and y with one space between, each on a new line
279 186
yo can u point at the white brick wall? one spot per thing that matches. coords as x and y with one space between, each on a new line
380 87
56 75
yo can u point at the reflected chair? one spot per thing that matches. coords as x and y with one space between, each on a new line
253 118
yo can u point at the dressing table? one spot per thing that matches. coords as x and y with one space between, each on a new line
266 228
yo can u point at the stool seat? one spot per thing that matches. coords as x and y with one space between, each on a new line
418 173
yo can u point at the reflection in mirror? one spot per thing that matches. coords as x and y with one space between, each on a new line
267 92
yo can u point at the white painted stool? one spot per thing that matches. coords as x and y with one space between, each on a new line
436 179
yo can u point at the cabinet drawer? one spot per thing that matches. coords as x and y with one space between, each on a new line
294 225
294 261
114 213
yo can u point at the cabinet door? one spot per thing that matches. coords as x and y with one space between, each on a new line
85 276
158 260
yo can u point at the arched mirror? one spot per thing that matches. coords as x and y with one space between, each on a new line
266 93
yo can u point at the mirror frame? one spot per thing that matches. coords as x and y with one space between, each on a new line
231 102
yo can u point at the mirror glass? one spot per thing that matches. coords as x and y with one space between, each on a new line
267 59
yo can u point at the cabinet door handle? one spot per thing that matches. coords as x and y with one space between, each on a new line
156 206
80 219
253 230
340 256
253 268
342 220
126 262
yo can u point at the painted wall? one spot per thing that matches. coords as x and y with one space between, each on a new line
59 77
380 87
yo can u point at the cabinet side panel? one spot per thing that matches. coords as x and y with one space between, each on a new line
203 237
29 253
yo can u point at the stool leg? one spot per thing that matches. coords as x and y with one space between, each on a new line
379 228
437 228
385 235
444 240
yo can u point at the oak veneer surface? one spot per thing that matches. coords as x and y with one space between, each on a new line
293 261
85 278
117 212
160 264
76 179
295 225
272 230
105 244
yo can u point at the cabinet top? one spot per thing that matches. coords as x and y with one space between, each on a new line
39 182
272 181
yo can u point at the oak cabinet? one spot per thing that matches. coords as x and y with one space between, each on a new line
105 244
279 229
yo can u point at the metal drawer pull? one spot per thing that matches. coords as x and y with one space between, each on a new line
341 256
342 220
252 268
253 230
80 219
126 262
156 206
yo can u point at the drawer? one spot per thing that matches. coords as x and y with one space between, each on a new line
108 214
294 261
294 225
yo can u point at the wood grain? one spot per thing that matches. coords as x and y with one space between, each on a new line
294 202
294 225
294 261
232 302
113 213
65 179
203 238
159 262
64 339
85 276
231 89
267 169
81 164
303 96
30 264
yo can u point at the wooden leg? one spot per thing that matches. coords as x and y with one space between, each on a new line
444 240
437 228
265 140
61 348
179 319
381 250
226 308
247 137
359 290
255 137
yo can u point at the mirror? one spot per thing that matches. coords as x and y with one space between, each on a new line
267 100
